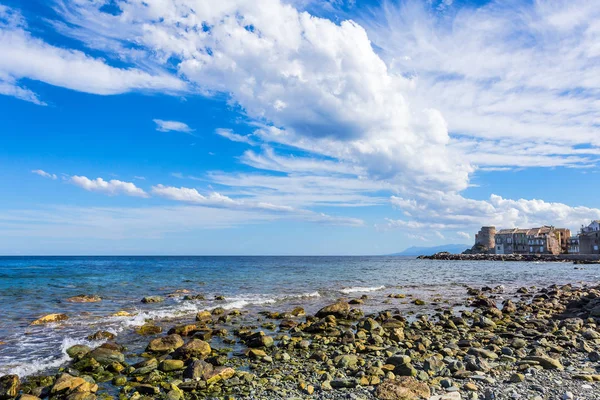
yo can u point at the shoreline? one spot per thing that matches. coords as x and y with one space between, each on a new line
517 344
574 258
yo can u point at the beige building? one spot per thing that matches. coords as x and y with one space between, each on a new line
543 240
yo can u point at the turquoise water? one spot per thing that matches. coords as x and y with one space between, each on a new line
34 286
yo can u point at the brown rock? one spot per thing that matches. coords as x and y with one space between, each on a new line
165 344
85 298
339 309
403 388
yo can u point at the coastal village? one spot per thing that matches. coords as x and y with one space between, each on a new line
543 240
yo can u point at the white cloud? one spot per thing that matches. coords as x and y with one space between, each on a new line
44 174
112 187
218 200
167 126
234 137
25 56
320 83
450 211
463 235
518 81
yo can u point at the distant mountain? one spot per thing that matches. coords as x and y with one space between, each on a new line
426 251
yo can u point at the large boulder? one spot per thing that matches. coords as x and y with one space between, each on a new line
197 369
403 388
165 344
9 386
340 309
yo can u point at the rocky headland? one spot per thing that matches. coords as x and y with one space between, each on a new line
531 344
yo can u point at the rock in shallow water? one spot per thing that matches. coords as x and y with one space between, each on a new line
50 318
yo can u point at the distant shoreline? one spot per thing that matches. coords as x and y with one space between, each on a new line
574 258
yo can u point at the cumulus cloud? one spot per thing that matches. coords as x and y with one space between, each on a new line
167 126
323 90
44 174
112 188
452 211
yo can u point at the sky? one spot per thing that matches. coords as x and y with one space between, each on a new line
299 127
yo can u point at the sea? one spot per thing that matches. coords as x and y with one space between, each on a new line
31 287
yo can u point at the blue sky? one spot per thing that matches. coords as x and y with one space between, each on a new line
292 127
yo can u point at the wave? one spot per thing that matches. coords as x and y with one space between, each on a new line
39 364
361 289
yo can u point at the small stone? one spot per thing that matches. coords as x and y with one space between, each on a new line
517 378
470 387
402 388
153 299
85 298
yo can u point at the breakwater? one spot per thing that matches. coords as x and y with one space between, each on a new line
574 258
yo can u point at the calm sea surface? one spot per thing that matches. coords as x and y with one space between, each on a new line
33 286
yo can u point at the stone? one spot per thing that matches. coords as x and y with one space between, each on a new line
516 378
28 397
195 348
478 352
447 396
204 316
546 362
346 361
197 369
344 383
145 367
50 318
102 335
85 298
171 365
153 299
122 314
340 309
106 356
78 350
9 386
219 374
256 353
165 344
402 388
418 302
148 329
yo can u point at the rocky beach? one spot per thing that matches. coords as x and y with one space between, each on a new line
493 343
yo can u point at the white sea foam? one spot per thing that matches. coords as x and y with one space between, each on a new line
361 289
37 365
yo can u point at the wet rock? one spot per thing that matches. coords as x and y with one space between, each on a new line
195 348
148 329
259 339
341 309
85 298
203 316
165 344
153 299
78 350
478 352
9 386
106 356
50 318
402 388
101 335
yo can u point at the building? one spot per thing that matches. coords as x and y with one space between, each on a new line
543 240
589 238
484 240
573 245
